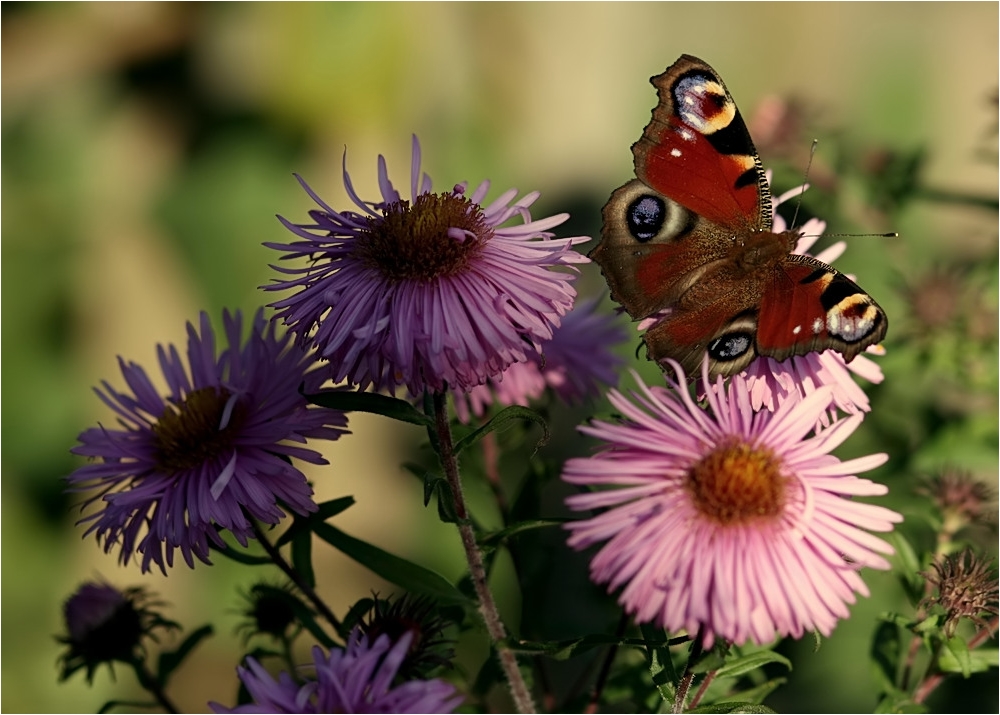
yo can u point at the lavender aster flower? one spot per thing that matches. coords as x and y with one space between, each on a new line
357 679
431 292
576 364
213 453
727 521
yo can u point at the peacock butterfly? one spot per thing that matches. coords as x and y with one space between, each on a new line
688 244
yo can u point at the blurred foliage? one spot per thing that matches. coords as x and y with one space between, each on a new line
148 147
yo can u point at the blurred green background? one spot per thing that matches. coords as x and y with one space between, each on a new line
147 148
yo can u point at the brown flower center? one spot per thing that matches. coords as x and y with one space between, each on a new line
737 482
188 434
413 243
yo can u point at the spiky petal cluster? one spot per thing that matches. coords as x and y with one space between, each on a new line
432 292
213 453
357 679
727 521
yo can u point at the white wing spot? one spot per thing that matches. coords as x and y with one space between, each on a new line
688 100
817 326
675 152
796 330
687 135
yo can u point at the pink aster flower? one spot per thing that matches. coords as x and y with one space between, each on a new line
576 365
357 679
772 382
735 523
213 453
438 291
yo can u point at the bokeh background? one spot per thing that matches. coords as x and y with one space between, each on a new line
147 148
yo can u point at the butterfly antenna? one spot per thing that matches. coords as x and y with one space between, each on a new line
805 183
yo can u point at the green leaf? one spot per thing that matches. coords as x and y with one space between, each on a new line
502 418
499 537
240 557
327 510
169 660
305 616
759 692
897 701
731 707
565 649
661 665
434 483
885 652
910 566
372 402
403 573
489 675
302 558
957 658
747 663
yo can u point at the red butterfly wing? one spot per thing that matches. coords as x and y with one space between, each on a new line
697 151
810 306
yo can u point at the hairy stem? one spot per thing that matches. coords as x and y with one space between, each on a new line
487 606
685 685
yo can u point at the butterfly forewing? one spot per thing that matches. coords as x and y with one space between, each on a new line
697 150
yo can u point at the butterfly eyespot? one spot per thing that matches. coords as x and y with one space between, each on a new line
730 346
645 217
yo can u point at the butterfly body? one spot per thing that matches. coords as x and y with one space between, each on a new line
689 244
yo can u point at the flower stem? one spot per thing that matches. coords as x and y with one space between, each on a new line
487 606
685 684
275 555
709 677
150 683
605 671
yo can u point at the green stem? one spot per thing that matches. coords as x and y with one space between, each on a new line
150 683
487 606
275 555
685 684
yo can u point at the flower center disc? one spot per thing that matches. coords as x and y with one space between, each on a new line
737 482
188 434
434 238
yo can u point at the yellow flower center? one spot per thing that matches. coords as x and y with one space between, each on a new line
413 243
738 482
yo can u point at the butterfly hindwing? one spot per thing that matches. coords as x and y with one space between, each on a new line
809 306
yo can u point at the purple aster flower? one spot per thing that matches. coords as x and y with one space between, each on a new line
213 453
434 292
576 365
104 625
357 679
728 521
